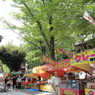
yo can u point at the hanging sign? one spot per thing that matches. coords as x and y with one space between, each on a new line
83 58
39 69
48 60
60 65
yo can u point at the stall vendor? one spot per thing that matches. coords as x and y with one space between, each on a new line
71 77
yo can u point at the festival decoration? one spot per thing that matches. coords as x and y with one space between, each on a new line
87 16
69 54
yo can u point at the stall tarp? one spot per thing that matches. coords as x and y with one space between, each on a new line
59 72
32 76
85 67
71 69
45 75
16 73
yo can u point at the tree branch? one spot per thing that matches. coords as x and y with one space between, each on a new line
50 22
28 9
43 1
39 24
50 0
20 35
43 34
93 0
25 24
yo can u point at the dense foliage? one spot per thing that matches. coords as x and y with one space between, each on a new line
12 56
47 24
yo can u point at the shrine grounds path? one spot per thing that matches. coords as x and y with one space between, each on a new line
22 92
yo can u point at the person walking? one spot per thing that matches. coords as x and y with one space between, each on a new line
9 84
55 80
14 82
19 82
5 82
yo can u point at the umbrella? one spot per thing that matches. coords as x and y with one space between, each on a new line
16 73
32 76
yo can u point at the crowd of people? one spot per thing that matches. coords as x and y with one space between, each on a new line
14 82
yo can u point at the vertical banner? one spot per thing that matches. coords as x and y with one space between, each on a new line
87 16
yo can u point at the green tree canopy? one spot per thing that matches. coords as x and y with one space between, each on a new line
12 56
48 24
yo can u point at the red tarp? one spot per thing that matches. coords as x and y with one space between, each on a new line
45 75
60 72
24 82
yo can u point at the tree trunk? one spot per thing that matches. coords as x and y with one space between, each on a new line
43 50
43 53
52 50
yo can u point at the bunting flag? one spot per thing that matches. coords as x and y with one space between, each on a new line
69 54
61 50
87 16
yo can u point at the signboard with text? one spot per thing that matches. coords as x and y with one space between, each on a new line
83 58
71 91
60 65
48 60
89 92
39 69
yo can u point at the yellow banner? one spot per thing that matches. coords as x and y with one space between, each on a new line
83 58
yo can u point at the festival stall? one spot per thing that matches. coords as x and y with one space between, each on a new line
73 87
44 76
30 80
61 67
83 60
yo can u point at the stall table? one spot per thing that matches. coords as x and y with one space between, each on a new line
45 88
25 84
72 87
